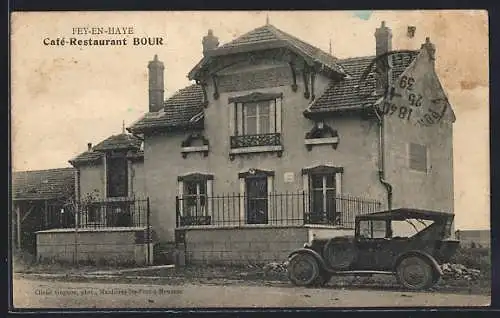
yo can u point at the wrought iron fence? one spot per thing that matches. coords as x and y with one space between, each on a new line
288 208
272 139
115 213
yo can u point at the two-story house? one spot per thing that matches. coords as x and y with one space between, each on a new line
278 141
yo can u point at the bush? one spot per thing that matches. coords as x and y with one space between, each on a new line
477 258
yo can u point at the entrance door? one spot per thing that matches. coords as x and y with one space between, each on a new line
257 199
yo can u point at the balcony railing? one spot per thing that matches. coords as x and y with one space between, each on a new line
273 139
275 209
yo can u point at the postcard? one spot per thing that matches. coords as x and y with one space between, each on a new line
223 159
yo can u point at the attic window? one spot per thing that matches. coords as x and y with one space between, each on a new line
418 157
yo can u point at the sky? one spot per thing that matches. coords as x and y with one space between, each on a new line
63 97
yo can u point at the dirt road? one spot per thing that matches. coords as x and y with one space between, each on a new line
30 293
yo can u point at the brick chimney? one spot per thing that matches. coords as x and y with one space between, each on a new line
431 48
383 39
156 84
89 146
383 44
210 42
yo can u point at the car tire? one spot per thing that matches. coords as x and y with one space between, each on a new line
303 270
323 279
415 273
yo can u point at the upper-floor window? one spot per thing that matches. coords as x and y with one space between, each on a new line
117 175
418 157
255 120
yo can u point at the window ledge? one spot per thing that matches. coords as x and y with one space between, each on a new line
255 149
322 141
195 149
186 150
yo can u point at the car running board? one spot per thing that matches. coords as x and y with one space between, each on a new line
361 272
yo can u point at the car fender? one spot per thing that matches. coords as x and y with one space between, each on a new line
423 254
310 252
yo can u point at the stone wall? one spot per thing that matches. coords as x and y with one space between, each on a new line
249 244
110 245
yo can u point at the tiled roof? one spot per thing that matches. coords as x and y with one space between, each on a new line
349 94
121 141
268 36
87 156
269 33
179 109
43 184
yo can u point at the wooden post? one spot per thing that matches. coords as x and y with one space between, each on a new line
76 205
18 229
46 216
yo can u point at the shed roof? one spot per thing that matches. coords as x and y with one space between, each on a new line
43 184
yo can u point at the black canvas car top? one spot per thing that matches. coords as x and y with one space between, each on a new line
406 213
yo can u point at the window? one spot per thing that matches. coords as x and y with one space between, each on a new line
372 229
323 185
323 196
195 198
117 175
256 118
256 121
195 201
418 157
408 228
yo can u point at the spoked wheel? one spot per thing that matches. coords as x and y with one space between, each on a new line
303 270
415 273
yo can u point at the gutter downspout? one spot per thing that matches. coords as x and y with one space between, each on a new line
381 168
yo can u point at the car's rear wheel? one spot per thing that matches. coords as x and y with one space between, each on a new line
415 273
303 269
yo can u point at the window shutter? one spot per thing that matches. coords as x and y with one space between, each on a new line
242 199
305 186
278 114
180 193
232 120
209 197
418 157
239 118
272 116
338 192
270 205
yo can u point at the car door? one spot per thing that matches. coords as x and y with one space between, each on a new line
373 248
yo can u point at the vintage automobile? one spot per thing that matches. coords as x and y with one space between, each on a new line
407 243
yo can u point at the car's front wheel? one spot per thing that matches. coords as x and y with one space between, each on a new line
303 269
415 273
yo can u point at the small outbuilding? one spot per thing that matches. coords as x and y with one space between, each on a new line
40 201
